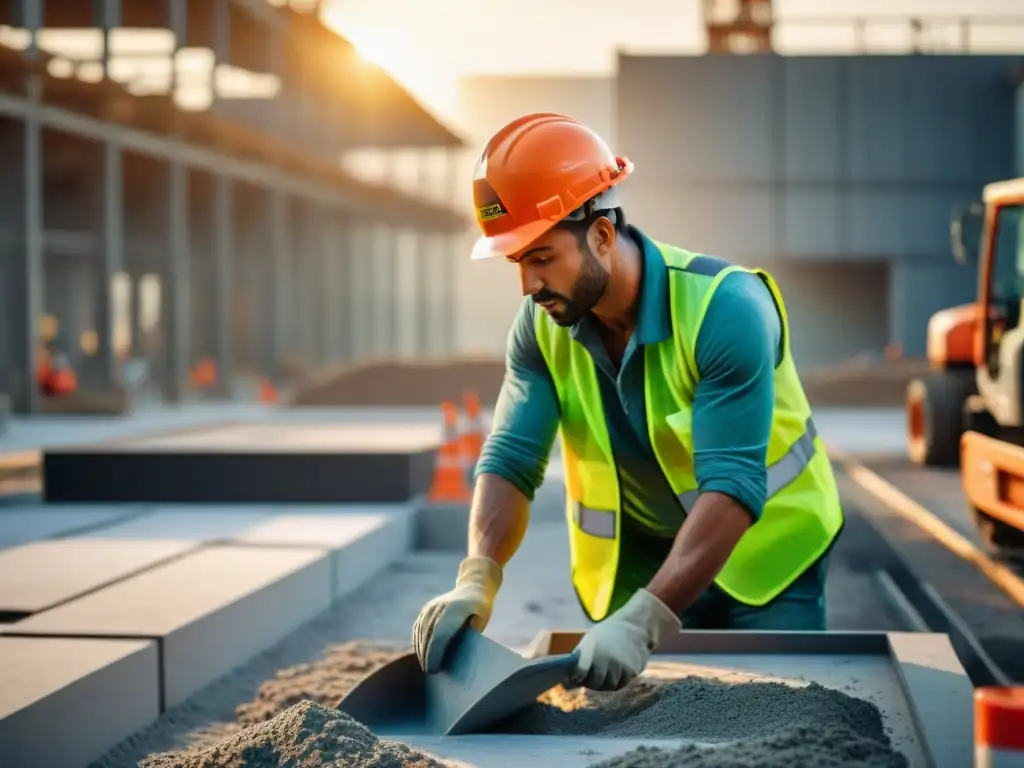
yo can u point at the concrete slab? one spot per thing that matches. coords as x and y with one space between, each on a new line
42 574
211 610
64 703
362 543
205 523
20 524
442 527
255 463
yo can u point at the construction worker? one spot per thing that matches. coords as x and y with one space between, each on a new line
698 494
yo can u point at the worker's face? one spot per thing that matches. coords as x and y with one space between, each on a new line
565 277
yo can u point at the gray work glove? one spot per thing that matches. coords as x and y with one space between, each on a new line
442 618
615 651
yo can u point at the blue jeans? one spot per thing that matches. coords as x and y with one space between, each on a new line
800 608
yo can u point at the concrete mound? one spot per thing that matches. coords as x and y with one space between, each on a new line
804 746
760 718
306 735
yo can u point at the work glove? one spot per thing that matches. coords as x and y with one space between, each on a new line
471 601
616 650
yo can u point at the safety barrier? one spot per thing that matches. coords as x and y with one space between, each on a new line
999 727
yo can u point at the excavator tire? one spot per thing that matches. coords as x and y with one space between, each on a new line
935 418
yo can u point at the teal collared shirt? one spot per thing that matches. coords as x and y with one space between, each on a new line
737 350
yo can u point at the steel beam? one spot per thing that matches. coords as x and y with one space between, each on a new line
449 248
111 259
170 148
335 257
224 290
281 275
177 282
107 15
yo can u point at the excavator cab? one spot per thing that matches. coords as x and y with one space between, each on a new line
976 351
969 411
999 335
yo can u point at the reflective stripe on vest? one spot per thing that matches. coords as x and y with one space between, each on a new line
601 522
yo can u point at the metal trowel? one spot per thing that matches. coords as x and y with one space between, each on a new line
480 684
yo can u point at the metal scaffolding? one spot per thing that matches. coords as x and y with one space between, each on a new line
253 232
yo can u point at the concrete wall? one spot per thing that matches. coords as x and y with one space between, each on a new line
769 159
489 290
852 295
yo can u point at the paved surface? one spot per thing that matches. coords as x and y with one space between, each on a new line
536 595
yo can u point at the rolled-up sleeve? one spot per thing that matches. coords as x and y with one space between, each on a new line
737 350
526 415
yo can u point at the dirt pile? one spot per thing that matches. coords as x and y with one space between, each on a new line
403 383
758 717
862 382
305 735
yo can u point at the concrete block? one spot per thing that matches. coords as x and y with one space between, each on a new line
362 544
31 522
442 527
253 463
40 575
205 523
211 610
65 703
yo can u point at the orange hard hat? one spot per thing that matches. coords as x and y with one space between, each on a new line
534 173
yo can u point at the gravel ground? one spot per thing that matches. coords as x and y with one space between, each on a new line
322 659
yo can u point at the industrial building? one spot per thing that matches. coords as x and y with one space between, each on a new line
827 170
173 195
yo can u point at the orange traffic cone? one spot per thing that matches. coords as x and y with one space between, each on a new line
473 432
450 483
267 392
998 726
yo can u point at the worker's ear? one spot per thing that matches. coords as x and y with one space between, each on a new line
602 237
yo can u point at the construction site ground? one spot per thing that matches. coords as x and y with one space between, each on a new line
325 656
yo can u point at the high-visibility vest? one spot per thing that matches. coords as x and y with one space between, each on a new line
802 515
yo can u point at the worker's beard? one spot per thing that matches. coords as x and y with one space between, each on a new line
588 289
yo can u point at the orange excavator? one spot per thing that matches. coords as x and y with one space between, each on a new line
969 410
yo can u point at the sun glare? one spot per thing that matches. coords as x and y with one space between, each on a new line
386 49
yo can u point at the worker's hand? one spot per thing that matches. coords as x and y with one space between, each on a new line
443 617
616 650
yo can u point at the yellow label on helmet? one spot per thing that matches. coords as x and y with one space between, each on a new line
491 211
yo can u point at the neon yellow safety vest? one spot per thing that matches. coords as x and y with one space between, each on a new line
802 516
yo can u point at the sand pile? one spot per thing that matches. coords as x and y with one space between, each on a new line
324 681
306 735
761 718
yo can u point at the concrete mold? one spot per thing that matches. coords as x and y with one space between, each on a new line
915 680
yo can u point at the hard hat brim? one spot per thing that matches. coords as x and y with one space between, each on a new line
509 243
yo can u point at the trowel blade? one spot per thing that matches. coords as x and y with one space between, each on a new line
390 699
483 682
